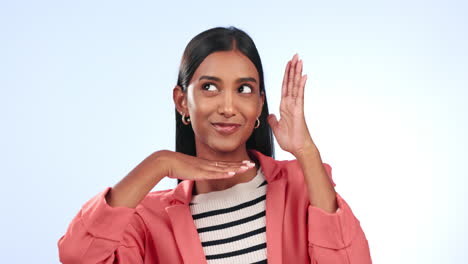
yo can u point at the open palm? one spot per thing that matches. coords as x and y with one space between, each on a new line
291 130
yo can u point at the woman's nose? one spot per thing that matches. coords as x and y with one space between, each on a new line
226 104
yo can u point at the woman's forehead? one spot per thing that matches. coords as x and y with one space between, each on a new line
227 66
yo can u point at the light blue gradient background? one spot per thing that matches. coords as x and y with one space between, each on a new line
86 94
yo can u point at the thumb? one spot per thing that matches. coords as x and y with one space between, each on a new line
273 122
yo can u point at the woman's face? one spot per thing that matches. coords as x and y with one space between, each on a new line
223 101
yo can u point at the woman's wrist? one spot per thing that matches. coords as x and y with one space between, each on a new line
161 163
306 152
139 182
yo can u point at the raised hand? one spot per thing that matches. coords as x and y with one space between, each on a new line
291 130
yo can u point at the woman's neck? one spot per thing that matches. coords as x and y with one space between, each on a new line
207 153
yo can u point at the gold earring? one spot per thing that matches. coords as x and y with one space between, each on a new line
257 123
186 122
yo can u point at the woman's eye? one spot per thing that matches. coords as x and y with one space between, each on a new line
209 87
245 89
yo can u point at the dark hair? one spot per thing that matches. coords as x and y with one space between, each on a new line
202 45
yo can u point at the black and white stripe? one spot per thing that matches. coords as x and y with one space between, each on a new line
231 223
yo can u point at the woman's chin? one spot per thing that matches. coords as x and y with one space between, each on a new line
225 147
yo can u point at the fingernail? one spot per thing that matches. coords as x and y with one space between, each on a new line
251 164
231 173
246 161
244 167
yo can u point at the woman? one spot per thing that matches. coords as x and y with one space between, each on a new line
234 202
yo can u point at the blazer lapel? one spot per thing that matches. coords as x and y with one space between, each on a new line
274 220
185 232
186 235
275 202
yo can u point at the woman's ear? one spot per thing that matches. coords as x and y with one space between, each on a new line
180 100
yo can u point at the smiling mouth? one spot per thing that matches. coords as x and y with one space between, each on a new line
225 128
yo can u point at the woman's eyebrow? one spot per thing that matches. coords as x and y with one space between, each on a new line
213 78
246 79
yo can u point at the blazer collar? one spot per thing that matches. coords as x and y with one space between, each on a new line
186 234
270 166
182 193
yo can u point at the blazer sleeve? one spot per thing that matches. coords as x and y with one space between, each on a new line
100 233
336 237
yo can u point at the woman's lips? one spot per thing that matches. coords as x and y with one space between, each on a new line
226 128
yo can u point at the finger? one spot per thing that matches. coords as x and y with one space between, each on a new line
226 172
273 122
291 75
230 164
297 78
236 169
300 94
220 162
213 175
210 173
284 87
227 168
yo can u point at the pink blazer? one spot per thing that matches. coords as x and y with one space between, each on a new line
161 228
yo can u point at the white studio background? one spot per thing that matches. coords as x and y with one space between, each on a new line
86 94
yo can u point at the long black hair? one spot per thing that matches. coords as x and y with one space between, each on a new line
202 45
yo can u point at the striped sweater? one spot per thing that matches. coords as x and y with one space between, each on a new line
231 222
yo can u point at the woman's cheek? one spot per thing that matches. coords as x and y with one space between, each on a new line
249 108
